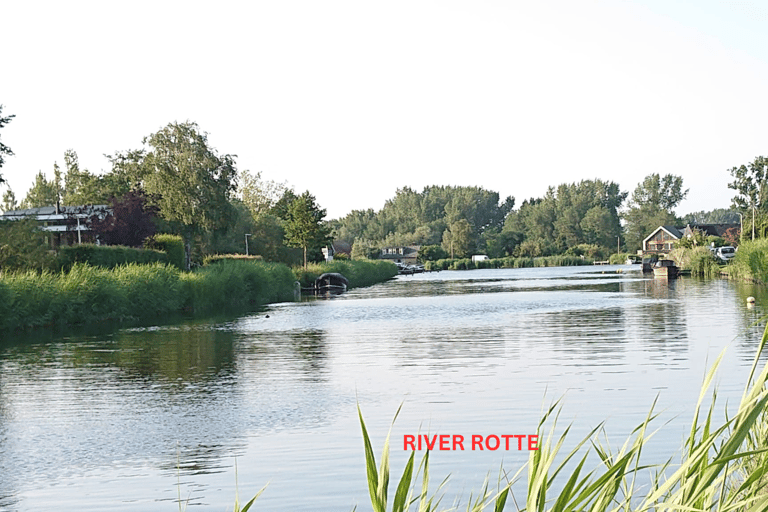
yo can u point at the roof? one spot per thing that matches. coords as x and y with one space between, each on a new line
713 229
49 212
672 230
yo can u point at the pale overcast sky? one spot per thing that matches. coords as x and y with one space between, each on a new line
352 100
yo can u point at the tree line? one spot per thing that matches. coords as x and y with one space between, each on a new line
592 217
177 183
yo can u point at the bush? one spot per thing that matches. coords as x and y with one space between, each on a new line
751 261
172 245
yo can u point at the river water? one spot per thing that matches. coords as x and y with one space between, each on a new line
140 418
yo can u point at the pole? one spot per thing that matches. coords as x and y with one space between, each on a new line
246 243
618 244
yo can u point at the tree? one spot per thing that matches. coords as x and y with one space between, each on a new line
189 183
4 150
304 226
42 193
651 206
9 201
750 185
457 238
130 222
259 195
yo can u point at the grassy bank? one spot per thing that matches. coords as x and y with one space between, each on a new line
509 262
750 262
89 294
358 272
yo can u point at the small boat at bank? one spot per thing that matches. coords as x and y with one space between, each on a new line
665 269
331 283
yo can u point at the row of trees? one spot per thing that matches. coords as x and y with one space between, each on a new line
459 221
187 188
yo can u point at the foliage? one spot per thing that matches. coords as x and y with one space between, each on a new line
507 262
106 256
697 238
716 216
23 246
365 249
216 258
751 261
4 150
172 245
457 239
304 226
89 294
749 182
567 216
9 201
188 182
421 218
698 259
651 206
130 222
42 193
259 195
432 253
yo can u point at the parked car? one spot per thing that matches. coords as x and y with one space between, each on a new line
725 253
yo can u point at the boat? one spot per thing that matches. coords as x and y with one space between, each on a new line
665 269
331 283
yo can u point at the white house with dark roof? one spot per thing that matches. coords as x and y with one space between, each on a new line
67 224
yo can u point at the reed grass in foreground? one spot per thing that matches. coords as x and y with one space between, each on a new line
723 467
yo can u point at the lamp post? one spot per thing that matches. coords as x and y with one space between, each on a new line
246 243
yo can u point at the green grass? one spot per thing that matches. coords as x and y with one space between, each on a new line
750 262
510 262
87 294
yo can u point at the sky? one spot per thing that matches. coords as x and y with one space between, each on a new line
355 99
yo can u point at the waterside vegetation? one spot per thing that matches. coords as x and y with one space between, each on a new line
87 294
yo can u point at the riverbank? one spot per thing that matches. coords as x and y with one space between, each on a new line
133 292
509 262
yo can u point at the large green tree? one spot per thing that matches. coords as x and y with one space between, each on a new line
750 182
187 180
4 150
304 226
651 205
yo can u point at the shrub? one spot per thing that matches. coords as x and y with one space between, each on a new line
172 245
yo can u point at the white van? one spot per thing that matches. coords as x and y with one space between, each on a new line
725 253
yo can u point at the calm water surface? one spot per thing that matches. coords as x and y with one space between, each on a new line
135 419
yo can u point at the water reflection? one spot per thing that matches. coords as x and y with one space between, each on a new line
126 415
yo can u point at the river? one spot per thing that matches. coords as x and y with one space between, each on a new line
140 418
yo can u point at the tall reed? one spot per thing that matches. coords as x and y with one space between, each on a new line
751 261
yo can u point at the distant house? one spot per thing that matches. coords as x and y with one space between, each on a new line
407 254
663 238
68 225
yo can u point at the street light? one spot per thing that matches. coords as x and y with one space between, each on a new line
246 243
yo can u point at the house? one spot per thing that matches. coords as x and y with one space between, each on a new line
663 238
68 225
406 255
